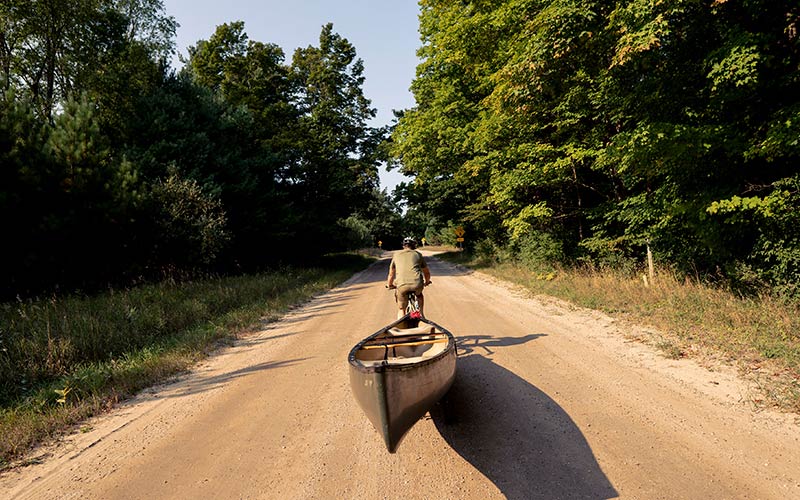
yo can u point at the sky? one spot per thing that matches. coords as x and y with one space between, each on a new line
384 33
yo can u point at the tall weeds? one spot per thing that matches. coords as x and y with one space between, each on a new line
759 335
63 359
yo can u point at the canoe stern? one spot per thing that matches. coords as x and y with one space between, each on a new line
395 396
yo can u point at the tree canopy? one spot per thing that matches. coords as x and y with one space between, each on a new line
115 168
610 126
589 128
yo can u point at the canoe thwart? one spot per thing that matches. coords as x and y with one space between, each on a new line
400 344
409 338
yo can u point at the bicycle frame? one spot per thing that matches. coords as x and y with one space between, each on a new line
412 308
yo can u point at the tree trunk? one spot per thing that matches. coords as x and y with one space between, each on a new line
5 61
580 202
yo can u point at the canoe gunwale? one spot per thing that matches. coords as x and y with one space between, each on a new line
386 367
395 396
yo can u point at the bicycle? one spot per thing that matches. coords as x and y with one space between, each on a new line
412 309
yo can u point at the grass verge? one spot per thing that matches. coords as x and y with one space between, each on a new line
760 336
65 359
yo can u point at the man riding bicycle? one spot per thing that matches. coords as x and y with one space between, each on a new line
409 272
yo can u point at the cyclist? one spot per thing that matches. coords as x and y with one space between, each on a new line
409 273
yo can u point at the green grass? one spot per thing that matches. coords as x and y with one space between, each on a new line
65 359
758 335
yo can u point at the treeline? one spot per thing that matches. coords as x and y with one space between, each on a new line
587 130
115 168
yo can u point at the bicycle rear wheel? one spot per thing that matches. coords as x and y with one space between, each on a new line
412 309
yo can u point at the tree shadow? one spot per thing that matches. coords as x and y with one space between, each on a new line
517 436
466 344
324 304
199 383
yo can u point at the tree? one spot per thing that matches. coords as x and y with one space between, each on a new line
247 73
333 168
611 126
53 48
131 170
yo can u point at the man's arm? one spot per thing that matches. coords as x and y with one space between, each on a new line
390 278
426 272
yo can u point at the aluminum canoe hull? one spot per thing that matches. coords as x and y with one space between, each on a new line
396 391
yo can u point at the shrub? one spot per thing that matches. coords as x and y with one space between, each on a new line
190 222
355 233
538 250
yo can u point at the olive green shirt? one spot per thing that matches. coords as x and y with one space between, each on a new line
408 265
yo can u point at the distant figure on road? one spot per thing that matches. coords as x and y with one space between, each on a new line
409 273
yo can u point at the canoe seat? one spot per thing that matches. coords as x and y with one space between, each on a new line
420 330
400 360
401 353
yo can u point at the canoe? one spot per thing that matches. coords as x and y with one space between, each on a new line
399 372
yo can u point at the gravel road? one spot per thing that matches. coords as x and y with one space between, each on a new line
550 401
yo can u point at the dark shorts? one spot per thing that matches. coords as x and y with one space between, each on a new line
401 294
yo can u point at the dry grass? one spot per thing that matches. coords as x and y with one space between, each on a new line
760 336
64 359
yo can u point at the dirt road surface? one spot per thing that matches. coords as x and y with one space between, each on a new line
550 402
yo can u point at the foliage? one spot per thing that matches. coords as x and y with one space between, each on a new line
538 250
54 49
132 171
66 358
355 233
775 256
191 223
337 154
612 126
64 189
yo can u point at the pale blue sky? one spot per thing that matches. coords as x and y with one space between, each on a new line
384 33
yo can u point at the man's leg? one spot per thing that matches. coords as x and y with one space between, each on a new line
420 299
402 301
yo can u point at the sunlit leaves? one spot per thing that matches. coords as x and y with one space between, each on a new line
219 58
52 48
782 138
737 69
114 168
642 26
522 223
613 124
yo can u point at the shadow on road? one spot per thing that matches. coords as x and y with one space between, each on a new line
201 384
517 436
466 344
324 304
